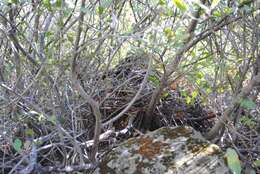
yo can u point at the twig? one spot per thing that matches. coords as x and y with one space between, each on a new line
135 97
235 104
68 168
94 105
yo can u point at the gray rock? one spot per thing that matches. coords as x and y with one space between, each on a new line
177 150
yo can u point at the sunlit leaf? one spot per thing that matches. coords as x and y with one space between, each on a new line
200 75
217 13
165 94
214 3
70 37
194 94
193 53
33 112
41 117
233 161
208 90
17 144
180 4
162 2
228 10
13 1
221 89
188 99
198 81
257 163
168 33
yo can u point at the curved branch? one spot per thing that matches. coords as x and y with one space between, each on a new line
93 104
135 97
235 104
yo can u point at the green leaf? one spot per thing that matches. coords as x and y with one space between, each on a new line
193 53
233 161
257 163
184 93
199 75
100 10
70 37
248 104
47 4
29 132
228 10
214 3
198 81
180 4
162 2
154 80
58 3
13 1
17 145
245 120
208 90
165 94
168 33
188 99
194 94
217 13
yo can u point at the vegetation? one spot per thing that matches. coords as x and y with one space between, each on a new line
63 90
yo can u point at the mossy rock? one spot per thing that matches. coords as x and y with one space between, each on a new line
174 150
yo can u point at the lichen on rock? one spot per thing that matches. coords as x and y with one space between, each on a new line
171 150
